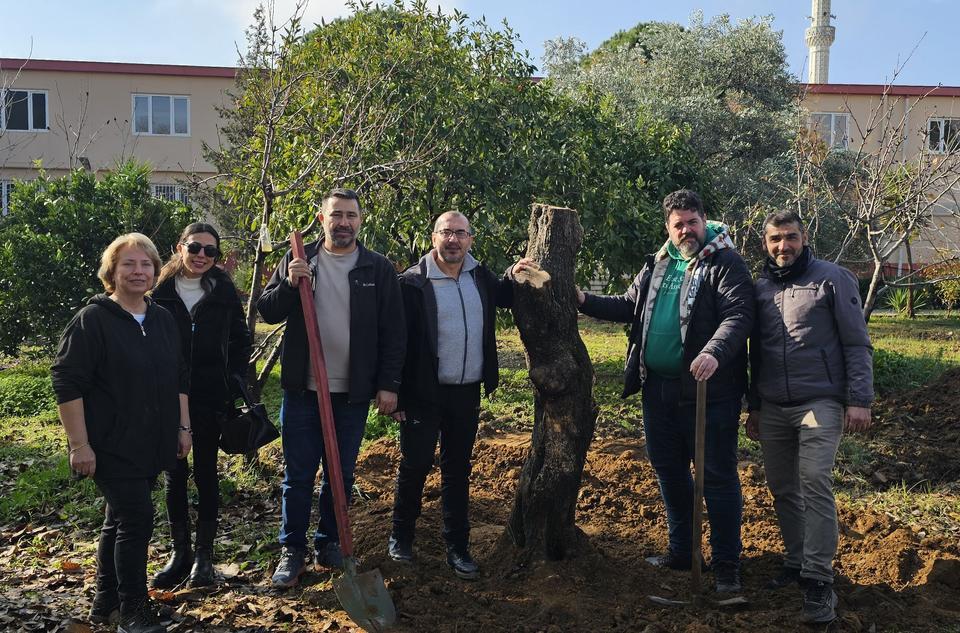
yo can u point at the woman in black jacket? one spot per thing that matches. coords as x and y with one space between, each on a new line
121 387
216 345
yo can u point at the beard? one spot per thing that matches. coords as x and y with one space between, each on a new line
342 238
451 256
689 247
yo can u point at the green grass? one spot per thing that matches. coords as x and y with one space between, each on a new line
35 482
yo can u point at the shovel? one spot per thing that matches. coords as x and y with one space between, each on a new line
696 597
363 596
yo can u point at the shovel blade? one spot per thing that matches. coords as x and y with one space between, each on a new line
366 600
667 602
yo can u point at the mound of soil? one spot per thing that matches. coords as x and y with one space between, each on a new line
917 435
888 578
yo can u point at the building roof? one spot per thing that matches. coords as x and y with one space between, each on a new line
13 64
880 89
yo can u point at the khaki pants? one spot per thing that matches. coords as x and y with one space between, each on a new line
799 449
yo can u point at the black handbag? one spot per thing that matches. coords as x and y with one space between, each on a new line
245 429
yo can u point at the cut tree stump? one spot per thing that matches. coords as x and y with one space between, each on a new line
545 309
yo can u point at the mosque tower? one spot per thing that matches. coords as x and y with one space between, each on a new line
819 37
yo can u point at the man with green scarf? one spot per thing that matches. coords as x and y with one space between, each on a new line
691 310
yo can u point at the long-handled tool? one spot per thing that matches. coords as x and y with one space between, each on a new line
700 434
363 596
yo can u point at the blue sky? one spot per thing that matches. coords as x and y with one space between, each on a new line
873 36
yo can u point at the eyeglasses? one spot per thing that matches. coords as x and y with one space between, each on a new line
208 249
460 234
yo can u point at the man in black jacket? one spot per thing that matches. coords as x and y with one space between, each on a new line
691 309
450 300
360 315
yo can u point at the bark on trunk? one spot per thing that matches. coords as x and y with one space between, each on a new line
545 310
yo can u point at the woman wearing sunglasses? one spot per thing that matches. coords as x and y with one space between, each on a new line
216 345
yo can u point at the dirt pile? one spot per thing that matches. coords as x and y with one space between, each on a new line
889 578
917 435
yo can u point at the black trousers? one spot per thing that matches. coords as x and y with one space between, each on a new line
127 528
206 443
452 421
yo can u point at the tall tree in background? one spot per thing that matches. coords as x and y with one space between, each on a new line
727 84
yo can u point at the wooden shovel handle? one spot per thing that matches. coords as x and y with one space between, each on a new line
698 459
334 472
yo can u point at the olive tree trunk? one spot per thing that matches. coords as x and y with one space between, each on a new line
545 309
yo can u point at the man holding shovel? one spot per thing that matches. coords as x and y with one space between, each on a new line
360 317
812 378
691 309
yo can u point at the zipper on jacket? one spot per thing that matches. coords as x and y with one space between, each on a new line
466 332
826 366
783 335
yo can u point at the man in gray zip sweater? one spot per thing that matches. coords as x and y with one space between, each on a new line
450 302
811 379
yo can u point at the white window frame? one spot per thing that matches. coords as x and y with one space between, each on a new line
179 191
30 128
942 145
150 96
833 143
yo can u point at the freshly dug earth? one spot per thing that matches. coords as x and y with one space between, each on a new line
889 578
918 435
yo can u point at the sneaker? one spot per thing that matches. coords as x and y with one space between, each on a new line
105 610
291 565
786 577
819 603
328 555
142 618
400 549
727 576
462 563
673 561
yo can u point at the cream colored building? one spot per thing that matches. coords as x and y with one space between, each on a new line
841 114
68 114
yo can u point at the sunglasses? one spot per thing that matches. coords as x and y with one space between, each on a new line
208 249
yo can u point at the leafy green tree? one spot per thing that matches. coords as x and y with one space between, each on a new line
726 83
51 241
422 112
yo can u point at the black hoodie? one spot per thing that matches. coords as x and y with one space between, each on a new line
130 377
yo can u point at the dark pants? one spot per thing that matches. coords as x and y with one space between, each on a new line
303 452
206 443
454 422
670 427
127 528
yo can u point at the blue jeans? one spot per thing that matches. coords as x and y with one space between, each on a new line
303 452
670 429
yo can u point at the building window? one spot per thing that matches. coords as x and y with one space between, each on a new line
943 135
832 128
161 115
172 193
23 110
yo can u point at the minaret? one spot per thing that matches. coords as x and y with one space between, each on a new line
820 36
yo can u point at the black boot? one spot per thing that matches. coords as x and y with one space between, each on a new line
178 567
203 573
140 616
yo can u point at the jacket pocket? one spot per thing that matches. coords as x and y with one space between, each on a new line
826 366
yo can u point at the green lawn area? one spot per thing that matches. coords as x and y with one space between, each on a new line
36 485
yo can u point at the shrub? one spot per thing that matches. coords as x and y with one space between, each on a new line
51 241
897 300
948 288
